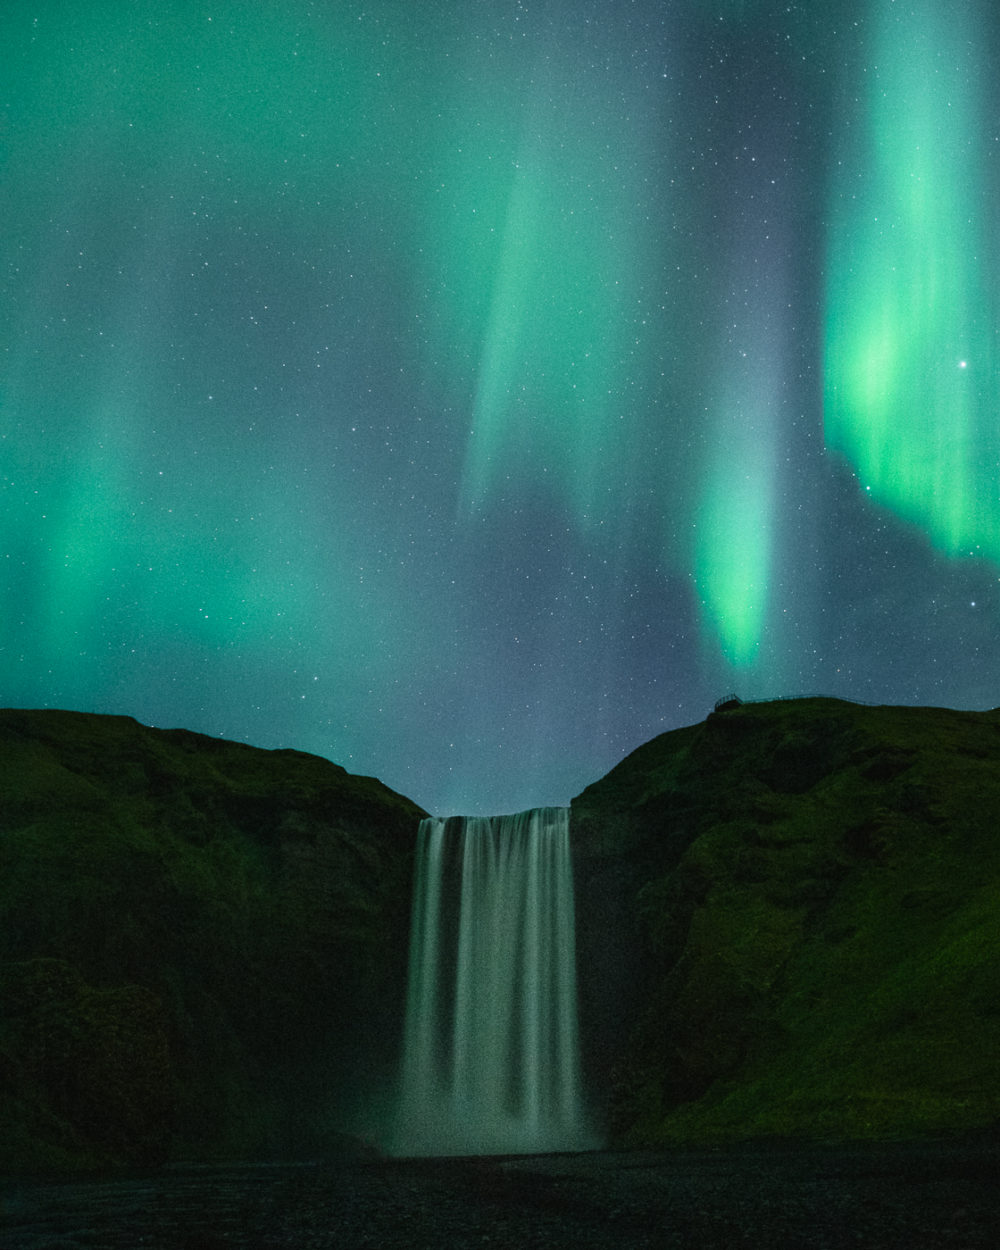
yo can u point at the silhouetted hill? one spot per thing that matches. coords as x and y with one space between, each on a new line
202 944
802 903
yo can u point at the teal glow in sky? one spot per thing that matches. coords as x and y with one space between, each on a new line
912 382
467 393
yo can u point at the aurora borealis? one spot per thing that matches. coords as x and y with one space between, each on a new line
469 392
913 389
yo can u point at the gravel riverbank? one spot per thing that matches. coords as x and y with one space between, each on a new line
897 1197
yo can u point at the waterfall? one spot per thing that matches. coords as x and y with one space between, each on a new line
491 1054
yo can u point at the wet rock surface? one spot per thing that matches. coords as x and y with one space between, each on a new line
879 1197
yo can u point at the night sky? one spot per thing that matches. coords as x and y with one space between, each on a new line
468 391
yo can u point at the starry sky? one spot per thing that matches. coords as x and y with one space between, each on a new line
468 392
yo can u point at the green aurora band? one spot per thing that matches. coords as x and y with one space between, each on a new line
533 246
733 553
241 117
527 259
911 385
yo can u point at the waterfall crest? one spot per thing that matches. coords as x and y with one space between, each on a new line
491 1050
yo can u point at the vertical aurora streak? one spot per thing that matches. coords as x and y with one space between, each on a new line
911 356
547 393
536 248
734 550
733 558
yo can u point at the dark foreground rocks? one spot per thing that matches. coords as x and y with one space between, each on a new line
888 1197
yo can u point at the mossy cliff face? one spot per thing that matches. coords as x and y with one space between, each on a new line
202 944
804 898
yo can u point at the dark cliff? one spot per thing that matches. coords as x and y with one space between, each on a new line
790 925
202 944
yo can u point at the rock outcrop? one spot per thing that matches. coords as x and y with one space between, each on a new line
202 944
802 903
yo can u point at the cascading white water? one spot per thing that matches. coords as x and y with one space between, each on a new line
491 1051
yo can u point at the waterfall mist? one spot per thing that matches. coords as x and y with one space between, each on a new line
491 1059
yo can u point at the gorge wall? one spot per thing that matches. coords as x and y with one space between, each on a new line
789 924
202 944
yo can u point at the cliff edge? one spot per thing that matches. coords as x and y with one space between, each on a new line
202 944
803 901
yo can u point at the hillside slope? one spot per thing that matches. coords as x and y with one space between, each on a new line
803 898
202 944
